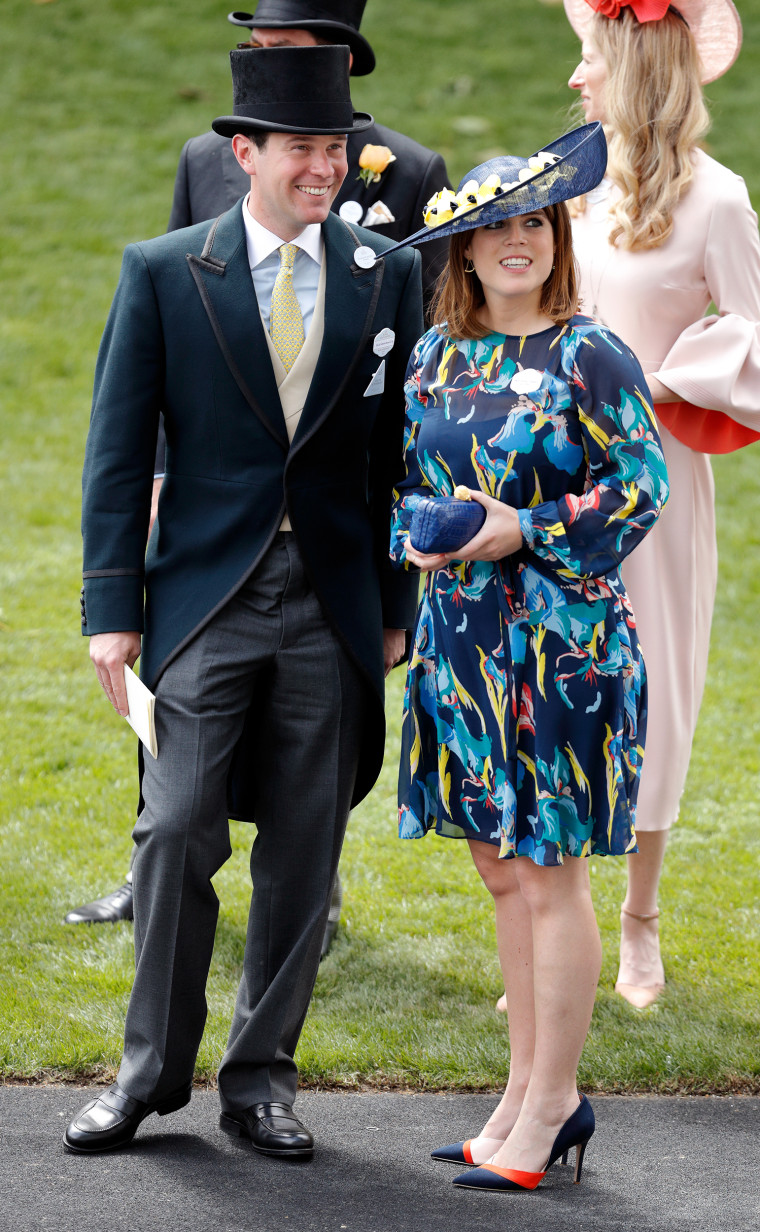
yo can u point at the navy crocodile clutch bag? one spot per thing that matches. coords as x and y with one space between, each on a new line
444 523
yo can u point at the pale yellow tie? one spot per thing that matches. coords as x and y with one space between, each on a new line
285 321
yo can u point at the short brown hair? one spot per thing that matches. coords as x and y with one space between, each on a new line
459 295
259 137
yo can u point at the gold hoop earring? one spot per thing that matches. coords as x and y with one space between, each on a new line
471 270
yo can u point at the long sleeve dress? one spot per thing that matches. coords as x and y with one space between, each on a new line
525 704
656 301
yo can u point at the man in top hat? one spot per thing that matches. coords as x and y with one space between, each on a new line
210 180
269 609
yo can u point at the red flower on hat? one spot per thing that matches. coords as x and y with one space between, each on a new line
644 10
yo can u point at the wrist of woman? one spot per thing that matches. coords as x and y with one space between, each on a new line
526 527
660 392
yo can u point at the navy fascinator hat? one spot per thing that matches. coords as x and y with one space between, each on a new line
508 185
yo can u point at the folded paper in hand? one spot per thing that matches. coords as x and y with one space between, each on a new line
142 707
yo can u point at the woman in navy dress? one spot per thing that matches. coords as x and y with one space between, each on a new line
525 706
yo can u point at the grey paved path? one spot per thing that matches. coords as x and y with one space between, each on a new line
681 1165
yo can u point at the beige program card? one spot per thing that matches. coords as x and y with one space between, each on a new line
142 705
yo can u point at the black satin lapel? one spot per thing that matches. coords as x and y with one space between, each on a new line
351 297
223 278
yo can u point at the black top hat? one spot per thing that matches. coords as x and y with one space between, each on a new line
330 19
291 90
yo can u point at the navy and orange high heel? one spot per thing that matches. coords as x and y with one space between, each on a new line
576 1132
461 1152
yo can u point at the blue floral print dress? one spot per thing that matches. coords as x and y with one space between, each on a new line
525 704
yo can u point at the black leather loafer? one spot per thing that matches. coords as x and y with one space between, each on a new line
106 910
111 1120
272 1129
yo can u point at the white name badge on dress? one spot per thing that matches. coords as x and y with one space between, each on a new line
377 384
526 381
351 211
384 342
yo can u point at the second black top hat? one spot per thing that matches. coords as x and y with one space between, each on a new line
336 20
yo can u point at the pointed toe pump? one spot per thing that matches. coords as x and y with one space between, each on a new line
576 1132
462 1152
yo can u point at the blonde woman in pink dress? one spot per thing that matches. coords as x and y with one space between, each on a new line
668 232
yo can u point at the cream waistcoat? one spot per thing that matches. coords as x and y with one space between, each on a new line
294 386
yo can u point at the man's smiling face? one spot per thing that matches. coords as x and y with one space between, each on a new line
294 179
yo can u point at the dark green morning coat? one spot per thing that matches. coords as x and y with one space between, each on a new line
184 336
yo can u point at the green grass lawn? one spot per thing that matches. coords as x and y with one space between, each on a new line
95 103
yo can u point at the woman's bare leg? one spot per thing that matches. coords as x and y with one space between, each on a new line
514 941
567 959
641 977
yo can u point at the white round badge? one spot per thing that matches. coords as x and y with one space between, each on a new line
384 342
364 257
527 381
351 211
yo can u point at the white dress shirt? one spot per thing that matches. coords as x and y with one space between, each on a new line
264 261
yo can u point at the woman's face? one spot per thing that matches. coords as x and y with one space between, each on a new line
590 77
513 258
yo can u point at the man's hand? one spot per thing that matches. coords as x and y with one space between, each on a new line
109 652
499 536
154 501
394 645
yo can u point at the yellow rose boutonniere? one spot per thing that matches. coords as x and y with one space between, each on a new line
373 161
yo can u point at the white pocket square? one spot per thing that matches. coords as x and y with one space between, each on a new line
378 215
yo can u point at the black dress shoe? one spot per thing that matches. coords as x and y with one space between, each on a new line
107 910
272 1129
333 917
111 1120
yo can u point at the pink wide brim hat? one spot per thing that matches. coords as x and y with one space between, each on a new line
715 24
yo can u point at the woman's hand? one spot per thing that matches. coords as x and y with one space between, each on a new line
499 536
660 392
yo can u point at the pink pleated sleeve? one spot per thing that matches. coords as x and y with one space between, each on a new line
715 362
